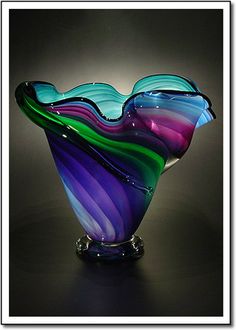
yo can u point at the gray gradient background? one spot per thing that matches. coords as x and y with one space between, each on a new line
181 271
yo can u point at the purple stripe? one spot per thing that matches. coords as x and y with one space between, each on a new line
117 212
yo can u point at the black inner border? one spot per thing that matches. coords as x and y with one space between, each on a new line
230 190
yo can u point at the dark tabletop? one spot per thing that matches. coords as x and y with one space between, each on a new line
180 273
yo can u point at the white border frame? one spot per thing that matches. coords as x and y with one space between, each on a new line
6 319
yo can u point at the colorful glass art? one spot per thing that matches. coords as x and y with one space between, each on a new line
110 150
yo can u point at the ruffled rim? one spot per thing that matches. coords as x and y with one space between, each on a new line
141 86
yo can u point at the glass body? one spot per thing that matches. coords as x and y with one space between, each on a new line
110 149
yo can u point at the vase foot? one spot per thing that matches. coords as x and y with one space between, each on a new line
94 250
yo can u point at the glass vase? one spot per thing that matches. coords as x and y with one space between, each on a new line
110 150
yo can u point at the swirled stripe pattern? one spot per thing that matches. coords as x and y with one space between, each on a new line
110 149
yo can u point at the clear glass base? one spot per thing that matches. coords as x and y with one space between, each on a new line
94 250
